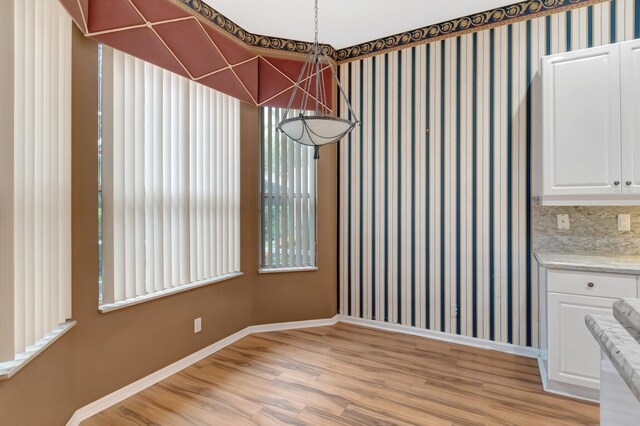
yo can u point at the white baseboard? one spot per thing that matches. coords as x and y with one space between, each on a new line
153 378
572 391
543 372
446 337
565 389
264 328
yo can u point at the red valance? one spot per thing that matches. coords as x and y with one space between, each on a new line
165 34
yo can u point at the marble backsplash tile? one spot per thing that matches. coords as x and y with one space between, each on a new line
593 230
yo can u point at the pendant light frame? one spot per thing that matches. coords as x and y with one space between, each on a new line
319 127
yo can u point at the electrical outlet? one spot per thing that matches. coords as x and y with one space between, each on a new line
563 221
454 311
624 222
197 325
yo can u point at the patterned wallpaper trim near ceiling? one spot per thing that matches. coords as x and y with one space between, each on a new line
255 41
527 9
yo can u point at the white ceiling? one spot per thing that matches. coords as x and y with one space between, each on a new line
344 23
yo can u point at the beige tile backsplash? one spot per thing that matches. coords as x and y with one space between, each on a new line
593 230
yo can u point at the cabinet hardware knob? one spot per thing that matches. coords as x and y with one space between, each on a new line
628 182
591 285
616 182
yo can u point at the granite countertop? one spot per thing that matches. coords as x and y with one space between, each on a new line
619 346
627 312
589 262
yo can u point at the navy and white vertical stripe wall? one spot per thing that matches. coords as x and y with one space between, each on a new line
434 185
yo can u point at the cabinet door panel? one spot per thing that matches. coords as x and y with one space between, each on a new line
581 122
574 355
630 83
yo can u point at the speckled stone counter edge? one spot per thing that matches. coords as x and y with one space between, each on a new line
620 348
627 312
593 263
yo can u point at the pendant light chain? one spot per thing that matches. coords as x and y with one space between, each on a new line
316 47
316 126
317 44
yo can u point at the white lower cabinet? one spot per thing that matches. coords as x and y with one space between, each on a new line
571 356
574 355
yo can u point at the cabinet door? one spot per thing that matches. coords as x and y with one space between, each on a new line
630 84
574 355
581 122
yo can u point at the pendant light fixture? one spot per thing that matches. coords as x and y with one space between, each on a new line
314 125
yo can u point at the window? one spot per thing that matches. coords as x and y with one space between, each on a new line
288 201
35 179
170 182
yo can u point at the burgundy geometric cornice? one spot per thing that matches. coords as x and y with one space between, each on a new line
171 36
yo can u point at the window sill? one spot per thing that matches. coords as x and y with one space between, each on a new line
9 368
280 270
108 307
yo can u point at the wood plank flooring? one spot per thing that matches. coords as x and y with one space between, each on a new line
350 375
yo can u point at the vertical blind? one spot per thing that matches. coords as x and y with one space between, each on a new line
37 259
288 188
170 183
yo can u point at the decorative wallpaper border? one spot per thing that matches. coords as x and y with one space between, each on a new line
524 10
252 40
527 9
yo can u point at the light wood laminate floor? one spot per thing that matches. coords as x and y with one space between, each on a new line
350 375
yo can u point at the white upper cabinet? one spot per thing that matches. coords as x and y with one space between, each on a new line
586 127
581 124
630 83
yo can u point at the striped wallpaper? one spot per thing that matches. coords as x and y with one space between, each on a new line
434 185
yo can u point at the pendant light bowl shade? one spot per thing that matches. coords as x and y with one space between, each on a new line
319 127
316 130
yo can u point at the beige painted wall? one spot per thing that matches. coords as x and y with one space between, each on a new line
104 352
